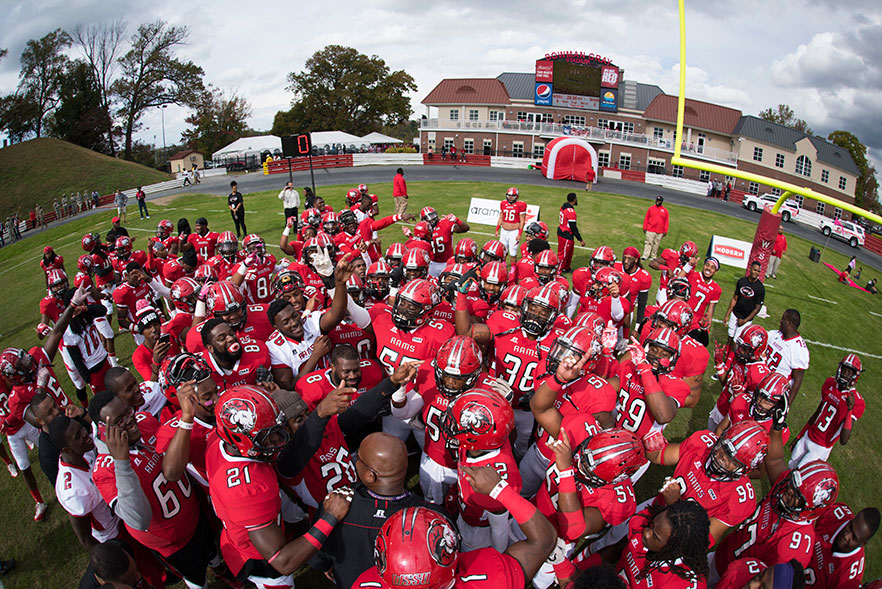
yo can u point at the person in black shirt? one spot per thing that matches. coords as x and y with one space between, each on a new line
237 208
381 465
42 411
115 231
746 302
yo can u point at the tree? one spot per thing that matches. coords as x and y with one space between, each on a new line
346 90
100 45
151 76
866 188
288 122
784 115
42 67
18 115
217 121
81 117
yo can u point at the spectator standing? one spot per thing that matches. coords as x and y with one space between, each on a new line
568 232
308 197
778 249
710 187
590 176
32 220
56 208
746 302
728 191
851 264
41 219
142 203
430 153
64 211
95 199
16 225
237 208
399 192
453 153
120 200
655 226
79 202
290 200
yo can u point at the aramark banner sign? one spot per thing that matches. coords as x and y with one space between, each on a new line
486 212
732 252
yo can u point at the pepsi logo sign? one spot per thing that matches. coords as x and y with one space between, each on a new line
543 90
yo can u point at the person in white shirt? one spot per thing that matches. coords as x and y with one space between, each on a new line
290 200
787 352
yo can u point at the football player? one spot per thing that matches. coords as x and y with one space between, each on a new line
492 251
769 396
233 360
175 268
123 254
134 289
466 251
674 264
256 270
227 257
641 282
788 353
202 240
369 226
51 260
164 230
704 298
512 217
443 229
545 271
838 556
347 367
741 371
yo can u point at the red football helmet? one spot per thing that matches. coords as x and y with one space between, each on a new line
17 366
123 247
745 443
353 197
563 294
164 229
466 251
183 294
419 548
449 277
286 281
592 321
608 457
395 254
429 215
414 304
458 360
376 283
320 241
675 314
494 275
415 264
90 240
773 391
603 278
687 250
814 485
492 251
512 299
512 194
750 345
422 231
362 188
330 225
602 257
228 246
536 230
313 218
205 273
84 264
546 266
574 343
56 280
478 420
254 245
679 288
249 419
539 310
355 288
663 339
848 371
224 298
176 370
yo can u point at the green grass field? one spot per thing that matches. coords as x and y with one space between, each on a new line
48 554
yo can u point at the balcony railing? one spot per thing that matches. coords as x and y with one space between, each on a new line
595 133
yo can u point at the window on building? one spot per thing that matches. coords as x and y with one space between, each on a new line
779 160
547 118
804 166
842 183
819 208
538 150
488 146
473 114
776 191
602 123
574 120
517 149
625 161
603 159
655 165
522 116
753 188
704 175
677 171
825 176
658 133
837 213
468 145
496 115
799 199
757 154
454 114
448 143
628 127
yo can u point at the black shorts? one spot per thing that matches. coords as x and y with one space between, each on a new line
192 560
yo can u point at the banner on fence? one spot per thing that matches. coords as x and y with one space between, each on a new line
486 212
732 252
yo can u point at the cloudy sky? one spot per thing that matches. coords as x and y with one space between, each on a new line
823 57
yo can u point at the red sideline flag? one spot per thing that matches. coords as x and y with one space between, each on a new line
763 240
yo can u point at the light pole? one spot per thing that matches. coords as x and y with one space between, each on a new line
162 112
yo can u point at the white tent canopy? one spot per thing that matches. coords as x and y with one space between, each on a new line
249 145
379 138
331 138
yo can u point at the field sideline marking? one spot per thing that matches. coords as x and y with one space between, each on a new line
876 314
820 299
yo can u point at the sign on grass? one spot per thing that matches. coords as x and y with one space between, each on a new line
732 252
486 212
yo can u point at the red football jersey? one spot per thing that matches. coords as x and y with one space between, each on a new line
740 573
442 240
347 332
119 264
565 215
484 568
511 212
443 312
174 506
223 268
518 360
532 282
641 281
731 502
348 243
52 307
204 245
396 345
523 269
603 307
199 437
254 355
672 261
767 537
577 402
703 294
826 428
420 245
749 375
12 407
57 262
829 569
632 412
330 468
472 504
173 270
177 324
245 496
258 281
315 386
693 358
500 321
739 410
127 296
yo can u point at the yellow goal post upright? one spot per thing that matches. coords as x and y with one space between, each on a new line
787 189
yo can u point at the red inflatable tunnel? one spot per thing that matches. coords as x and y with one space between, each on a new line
568 158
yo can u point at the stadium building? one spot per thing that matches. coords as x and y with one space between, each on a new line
631 125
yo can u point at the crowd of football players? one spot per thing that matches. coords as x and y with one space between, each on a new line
530 402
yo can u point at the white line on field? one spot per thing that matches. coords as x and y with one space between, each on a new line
820 299
876 314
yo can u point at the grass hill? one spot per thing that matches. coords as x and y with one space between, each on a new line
42 169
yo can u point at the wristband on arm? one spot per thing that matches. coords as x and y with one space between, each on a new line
520 509
565 569
319 532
